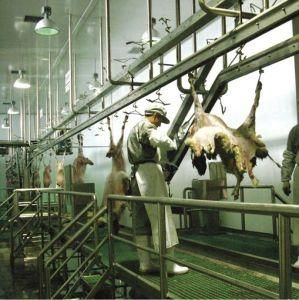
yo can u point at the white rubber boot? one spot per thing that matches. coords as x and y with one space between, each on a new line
145 263
173 268
296 264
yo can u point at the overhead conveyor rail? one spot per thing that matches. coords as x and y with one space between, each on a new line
192 24
283 212
256 62
255 27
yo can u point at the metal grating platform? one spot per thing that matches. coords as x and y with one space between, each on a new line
195 284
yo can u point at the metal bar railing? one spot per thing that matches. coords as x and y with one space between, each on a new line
44 267
89 261
274 196
41 256
283 211
64 248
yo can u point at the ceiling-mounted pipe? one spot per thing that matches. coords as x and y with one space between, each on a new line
10 127
57 103
29 118
101 52
150 35
179 49
50 87
37 102
223 29
224 12
266 4
108 53
70 52
22 117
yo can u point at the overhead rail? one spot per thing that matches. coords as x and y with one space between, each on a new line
188 27
225 12
263 59
281 51
284 213
15 144
255 27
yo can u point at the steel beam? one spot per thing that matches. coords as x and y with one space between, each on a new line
265 58
257 26
4 143
261 60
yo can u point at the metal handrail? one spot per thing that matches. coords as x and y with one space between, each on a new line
290 210
283 211
63 249
6 200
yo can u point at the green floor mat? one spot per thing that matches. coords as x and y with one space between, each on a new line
199 285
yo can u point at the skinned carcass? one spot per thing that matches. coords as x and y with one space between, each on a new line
47 176
238 148
80 163
60 174
118 181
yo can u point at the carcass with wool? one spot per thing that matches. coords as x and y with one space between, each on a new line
238 149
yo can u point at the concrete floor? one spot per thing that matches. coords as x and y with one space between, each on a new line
20 284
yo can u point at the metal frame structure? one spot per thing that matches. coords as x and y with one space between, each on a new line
255 27
267 57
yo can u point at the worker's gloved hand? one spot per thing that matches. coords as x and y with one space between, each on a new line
286 187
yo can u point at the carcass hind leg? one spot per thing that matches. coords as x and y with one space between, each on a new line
253 179
236 190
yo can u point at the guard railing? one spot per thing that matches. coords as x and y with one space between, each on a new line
283 211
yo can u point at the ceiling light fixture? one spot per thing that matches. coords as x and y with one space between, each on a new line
21 82
65 110
46 26
5 124
13 110
156 37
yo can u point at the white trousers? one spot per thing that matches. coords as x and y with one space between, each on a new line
151 182
295 221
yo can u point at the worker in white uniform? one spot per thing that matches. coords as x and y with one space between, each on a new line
144 143
289 166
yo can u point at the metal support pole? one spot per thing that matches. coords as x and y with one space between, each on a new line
266 4
50 86
150 35
274 222
162 251
285 274
71 94
37 101
110 244
242 213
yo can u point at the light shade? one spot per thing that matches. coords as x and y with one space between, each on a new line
13 110
65 110
5 124
21 82
46 26
156 37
